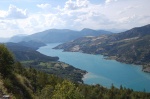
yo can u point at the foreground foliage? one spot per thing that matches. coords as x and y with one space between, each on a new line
28 83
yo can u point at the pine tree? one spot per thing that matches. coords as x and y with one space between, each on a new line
6 61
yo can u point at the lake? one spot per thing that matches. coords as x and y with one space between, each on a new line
102 71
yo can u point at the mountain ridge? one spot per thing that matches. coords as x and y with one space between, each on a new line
131 46
58 35
24 53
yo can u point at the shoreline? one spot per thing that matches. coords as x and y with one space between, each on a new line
87 78
145 68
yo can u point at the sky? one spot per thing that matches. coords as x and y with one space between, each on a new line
31 16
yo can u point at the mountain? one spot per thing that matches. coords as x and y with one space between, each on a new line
24 53
17 38
32 44
114 30
135 32
52 35
31 58
59 35
91 32
132 46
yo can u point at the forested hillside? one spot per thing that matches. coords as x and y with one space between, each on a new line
25 53
32 44
132 46
27 83
29 57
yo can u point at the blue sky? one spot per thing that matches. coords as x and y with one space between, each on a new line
31 16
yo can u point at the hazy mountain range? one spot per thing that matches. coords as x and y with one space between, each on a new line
58 35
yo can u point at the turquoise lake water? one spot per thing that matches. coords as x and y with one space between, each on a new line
102 71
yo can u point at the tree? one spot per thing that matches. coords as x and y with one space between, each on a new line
47 92
6 61
18 68
42 79
66 90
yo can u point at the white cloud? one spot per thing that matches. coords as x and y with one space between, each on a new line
2 13
77 4
16 13
44 6
76 14
126 9
82 3
85 15
109 1
9 28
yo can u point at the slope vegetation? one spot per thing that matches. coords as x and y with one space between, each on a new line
28 83
29 57
25 53
132 46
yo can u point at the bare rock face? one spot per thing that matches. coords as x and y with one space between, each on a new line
76 48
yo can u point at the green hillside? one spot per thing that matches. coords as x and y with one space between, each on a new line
25 53
18 82
29 57
132 46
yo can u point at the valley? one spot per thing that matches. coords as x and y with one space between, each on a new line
44 67
25 52
74 49
102 71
